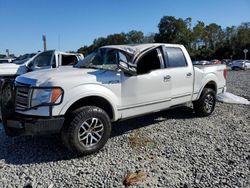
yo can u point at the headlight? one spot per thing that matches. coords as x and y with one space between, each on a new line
46 96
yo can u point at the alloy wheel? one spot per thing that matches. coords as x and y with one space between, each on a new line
90 132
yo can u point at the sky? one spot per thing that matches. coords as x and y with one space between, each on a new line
70 24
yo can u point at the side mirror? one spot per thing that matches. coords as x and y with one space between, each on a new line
128 68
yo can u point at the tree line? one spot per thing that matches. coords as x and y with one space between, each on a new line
202 41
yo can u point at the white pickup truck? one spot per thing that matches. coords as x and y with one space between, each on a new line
111 84
44 60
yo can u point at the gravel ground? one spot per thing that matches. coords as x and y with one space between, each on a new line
172 148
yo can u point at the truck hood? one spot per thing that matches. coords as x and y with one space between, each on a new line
9 69
60 76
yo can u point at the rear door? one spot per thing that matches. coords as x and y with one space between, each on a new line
180 74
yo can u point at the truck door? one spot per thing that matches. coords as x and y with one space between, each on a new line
149 90
43 61
180 75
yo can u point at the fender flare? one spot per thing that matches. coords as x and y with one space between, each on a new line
209 79
102 92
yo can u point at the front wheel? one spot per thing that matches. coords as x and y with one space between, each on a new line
7 99
88 131
206 103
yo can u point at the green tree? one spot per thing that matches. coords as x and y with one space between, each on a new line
117 38
135 37
198 35
172 30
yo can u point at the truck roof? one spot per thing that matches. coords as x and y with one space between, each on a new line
136 48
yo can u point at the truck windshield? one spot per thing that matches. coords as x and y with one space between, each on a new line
102 58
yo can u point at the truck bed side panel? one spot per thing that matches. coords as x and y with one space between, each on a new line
205 74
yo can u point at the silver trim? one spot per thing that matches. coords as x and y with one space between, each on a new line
151 103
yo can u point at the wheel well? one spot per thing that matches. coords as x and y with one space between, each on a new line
211 85
92 101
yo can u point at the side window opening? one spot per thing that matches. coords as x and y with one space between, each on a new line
174 57
69 60
148 62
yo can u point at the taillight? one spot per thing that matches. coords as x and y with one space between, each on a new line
225 73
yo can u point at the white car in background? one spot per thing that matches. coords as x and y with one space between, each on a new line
6 60
23 58
240 65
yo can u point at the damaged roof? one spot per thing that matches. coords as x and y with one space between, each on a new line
134 49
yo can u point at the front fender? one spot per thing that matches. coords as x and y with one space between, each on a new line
82 91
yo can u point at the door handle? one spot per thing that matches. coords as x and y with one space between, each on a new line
166 78
189 74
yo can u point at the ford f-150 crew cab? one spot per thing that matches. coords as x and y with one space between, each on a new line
44 60
113 83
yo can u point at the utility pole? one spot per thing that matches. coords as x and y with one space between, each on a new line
44 43
245 52
8 52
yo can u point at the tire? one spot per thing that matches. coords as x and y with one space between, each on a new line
7 99
87 130
206 103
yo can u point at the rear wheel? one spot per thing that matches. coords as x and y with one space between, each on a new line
206 103
88 131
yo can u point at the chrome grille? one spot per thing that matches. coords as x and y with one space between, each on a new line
22 96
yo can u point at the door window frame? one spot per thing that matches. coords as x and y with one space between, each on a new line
159 55
166 59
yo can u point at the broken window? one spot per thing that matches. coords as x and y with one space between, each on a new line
148 62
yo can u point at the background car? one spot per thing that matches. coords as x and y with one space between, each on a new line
227 62
215 61
6 60
201 62
240 65
23 58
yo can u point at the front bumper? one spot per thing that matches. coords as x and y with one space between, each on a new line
18 124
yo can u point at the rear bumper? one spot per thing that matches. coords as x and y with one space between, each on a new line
18 124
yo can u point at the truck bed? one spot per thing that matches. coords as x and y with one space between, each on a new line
202 72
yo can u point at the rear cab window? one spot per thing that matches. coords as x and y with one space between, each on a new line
174 57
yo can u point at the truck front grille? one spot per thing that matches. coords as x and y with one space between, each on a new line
22 96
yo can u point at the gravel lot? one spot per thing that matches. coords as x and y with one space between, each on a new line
173 148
